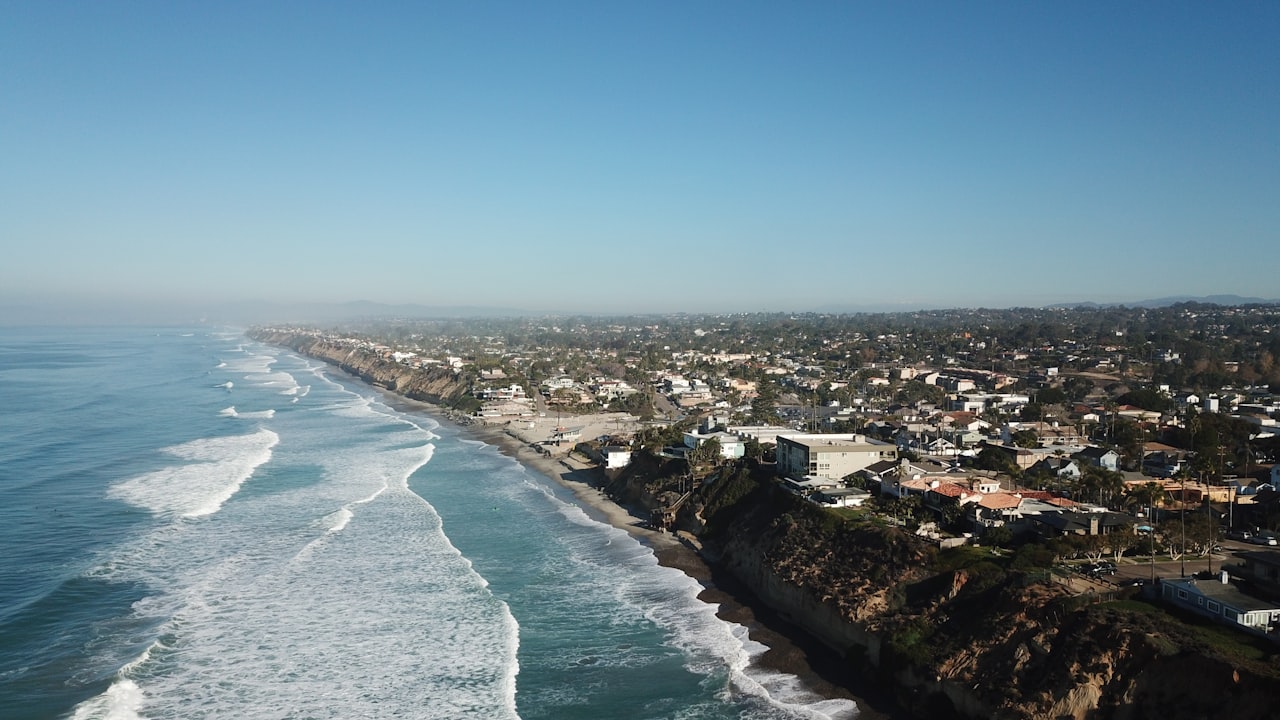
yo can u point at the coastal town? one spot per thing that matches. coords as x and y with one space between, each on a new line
1117 460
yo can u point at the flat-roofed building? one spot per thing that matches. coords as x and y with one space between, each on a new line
834 456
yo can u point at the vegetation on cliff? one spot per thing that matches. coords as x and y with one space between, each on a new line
968 631
971 631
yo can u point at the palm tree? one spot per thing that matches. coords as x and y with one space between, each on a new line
1147 495
1110 486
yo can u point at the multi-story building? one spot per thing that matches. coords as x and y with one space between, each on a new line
834 456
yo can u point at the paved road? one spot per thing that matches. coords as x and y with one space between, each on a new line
1140 569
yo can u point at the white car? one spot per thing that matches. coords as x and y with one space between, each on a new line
1262 540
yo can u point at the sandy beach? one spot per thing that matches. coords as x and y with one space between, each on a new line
790 650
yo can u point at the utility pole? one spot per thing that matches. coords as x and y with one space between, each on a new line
1213 531
1231 506
1151 535
1182 511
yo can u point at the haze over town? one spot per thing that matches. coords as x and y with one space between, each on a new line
167 162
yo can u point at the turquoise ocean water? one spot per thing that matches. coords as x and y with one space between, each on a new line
194 525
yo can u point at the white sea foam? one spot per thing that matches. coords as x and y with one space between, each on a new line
122 701
665 598
669 599
255 415
385 618
249 363
338 521
214 470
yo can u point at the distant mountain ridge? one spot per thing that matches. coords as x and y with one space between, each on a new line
248 312
1224 300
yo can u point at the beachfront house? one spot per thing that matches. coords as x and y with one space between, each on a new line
615 457
566 434
840 497
731 446
1223 602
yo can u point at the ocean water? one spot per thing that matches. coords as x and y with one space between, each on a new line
195 525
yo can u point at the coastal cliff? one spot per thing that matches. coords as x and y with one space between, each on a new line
948 633
956 634
439 385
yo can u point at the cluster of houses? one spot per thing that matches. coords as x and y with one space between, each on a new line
846 469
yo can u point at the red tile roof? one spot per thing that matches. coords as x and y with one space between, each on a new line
1000 501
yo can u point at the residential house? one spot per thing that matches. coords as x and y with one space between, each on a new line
566 434
810 484
1056 524
1021 457
609 389
888 473
763 434
938 446
840 497
1015 508
1161 460
1100 457
616 457
731 446
942 495
967 404
1059 467
745 388
1056 434
1224 603
563 382
693 398
995 509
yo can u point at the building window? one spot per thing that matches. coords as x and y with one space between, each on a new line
1182 594
1214 607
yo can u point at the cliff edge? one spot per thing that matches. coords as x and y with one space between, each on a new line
439 385
971 633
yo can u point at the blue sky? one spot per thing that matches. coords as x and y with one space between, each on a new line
638 156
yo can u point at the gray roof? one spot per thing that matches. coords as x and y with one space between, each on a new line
1228 595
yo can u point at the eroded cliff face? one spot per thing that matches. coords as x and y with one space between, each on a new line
959 636
950 637
439 385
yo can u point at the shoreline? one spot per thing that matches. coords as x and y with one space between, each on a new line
789 649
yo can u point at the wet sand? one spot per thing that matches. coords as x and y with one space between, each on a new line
790 649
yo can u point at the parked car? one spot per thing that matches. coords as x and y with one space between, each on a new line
1262 540
1099 569
1238 534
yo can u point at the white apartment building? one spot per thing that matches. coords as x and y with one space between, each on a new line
833 456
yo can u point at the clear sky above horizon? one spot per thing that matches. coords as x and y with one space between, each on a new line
638 157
